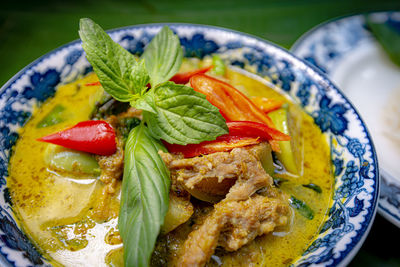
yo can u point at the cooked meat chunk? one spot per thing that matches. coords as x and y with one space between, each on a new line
210 177
231 225
131 113
251 218
242 215
112 166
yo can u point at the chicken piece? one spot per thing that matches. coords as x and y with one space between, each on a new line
112 166
232 225
251 218
242 215
210 177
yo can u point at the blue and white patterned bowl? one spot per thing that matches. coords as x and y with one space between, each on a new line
332 44
355 166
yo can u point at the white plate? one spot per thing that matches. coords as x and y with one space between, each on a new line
346 51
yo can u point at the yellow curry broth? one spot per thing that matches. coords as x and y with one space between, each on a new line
53 207
61 213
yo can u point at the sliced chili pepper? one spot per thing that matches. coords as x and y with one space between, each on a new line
232 103
93 136
241 133
255 129
221 144
184 77
267 104
93 84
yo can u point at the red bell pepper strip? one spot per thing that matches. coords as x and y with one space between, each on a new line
267 104
184 77
241 133
93 136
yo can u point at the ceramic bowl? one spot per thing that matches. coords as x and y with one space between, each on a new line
348 53
354 162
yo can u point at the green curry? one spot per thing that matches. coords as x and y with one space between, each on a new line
72 220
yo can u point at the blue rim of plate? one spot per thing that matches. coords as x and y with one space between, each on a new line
322 52
330 233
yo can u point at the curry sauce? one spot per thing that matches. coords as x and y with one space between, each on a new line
73 220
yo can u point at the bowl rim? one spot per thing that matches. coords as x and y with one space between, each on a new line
356 242
385 208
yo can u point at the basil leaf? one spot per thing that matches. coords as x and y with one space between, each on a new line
388 37
163 56
146 103
119 73
144 196
182 115
302 208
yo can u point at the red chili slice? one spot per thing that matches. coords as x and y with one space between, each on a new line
93 136
184 77
241 133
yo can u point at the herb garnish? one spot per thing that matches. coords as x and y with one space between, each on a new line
174 113
314 187
144 196
301 207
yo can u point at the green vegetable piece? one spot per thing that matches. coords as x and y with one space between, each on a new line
182 115
163 56
219 65
119 73
62 159
302 208
388 37
280 119
144 196
56 115
314 187
267 161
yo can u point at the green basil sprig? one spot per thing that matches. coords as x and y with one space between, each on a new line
144 196
174 113
126 80
118 70
180 115
163 56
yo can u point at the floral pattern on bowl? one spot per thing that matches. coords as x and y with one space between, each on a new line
353 155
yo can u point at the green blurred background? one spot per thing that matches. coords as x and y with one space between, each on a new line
29 29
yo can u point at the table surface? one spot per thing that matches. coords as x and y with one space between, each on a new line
29 29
